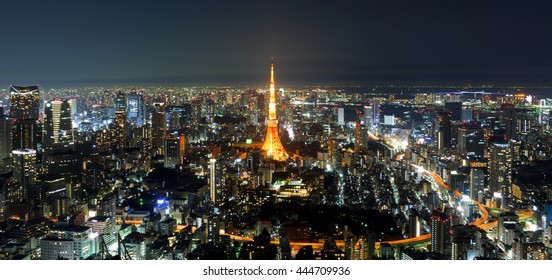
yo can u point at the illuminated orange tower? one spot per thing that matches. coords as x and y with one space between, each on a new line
272 145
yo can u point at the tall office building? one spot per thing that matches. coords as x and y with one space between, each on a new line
135 110
414 226
217 182
508 117
120 101
177 116
455 109
119 124
24 170
471 141
361 138
25 134
371 113
159 127
367 115
13 191
3 205
213 184
58 139
58 127
477 183
504 219
443 130
174 148
500 169
340 116
24 106
440 235
374 113
119 129
6 141
467 113
24 102
459 242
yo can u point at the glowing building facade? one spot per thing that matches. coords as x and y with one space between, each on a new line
272 145
24 104
58 127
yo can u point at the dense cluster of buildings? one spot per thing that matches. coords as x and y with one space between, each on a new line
310 173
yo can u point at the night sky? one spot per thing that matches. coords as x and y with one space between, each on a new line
56 43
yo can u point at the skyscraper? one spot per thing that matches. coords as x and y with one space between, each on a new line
506 218
375 112
120 101
477 183
24 170
158 126
214 185
500 169
443 130
24 104
120 120
440 236
3 208
471 141
341 116
135 108
508 117
174 151
6 141
25 134
361 138
414 226
58 127
272 145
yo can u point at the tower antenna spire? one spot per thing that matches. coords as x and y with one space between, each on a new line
272 145
271 70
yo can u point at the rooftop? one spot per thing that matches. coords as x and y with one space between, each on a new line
27 89
71 228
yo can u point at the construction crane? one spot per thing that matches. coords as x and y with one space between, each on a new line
104 252
122 252
121 249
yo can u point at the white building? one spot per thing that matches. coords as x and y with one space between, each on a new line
104 226
68 242
389 120
340 116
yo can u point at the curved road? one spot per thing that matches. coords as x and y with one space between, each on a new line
480 222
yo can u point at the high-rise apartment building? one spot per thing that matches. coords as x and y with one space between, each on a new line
440 236
500 169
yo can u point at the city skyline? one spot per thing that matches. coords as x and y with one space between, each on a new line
310 130
314 43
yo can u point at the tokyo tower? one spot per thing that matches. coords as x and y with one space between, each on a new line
272 145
